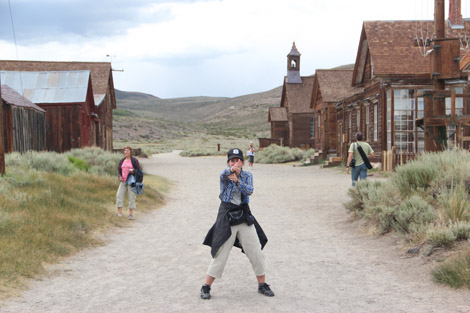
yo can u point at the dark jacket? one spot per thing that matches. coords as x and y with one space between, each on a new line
135 165
221 231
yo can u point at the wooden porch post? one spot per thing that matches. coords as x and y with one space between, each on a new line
439 86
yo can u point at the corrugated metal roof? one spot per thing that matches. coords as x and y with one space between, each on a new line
49 87
98 99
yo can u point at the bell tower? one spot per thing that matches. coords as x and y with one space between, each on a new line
293 66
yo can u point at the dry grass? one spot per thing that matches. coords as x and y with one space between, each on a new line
45 216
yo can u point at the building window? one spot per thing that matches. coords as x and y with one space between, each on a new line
389 120
376 135
404 120
366 132
293 64
451 130
350 126
319 122
420 131
358 120
312 127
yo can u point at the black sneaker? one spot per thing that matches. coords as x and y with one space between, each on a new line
265 290
206 292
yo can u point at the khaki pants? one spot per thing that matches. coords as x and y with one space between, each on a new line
250 242
121 193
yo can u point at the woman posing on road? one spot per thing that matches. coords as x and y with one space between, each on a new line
235 226
126 168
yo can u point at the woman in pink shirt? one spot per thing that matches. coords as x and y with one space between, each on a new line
126 167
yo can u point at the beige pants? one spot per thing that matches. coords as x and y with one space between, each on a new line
121 193
250 242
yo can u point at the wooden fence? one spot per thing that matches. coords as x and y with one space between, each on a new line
391 159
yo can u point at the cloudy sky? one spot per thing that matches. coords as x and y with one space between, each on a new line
178 48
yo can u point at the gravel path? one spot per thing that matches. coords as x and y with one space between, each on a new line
318 260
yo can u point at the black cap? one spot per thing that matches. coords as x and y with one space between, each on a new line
235 153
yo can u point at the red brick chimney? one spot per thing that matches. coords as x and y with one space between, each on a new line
455 14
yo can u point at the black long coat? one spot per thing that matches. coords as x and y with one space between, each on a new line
221 231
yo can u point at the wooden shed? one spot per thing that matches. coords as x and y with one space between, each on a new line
67 98
330 87
292 121
24 123
279 124
102 86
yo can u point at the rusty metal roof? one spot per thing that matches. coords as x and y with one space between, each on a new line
49 87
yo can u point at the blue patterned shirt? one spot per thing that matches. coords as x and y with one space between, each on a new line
228 187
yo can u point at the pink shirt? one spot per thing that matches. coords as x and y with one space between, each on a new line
126 166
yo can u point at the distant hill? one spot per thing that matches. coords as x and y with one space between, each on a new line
123 95
140 116
162 118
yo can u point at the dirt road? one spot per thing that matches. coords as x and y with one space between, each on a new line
318 260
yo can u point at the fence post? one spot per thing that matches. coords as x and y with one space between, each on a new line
218 147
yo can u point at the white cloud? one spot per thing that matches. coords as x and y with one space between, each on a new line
226 47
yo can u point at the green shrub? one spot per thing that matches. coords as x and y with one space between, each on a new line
413 210
455 273
200 152
440 237
308 154
276 154
79 163
50 162
461 230
454 203
414 175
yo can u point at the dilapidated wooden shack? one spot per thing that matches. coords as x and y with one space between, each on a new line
102 86
24 123
67 98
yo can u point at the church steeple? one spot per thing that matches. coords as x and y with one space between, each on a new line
293 66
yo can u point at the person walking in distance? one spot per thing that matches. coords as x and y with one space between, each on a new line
235 226
359 170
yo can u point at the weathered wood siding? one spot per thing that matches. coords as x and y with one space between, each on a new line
331 129
300 130
25 129
7 128
29 129
63 127
280 130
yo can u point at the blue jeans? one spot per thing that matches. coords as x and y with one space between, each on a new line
358 171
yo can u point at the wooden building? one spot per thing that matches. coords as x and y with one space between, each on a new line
330 87
291 122
394 69
2 146
24 123
67 98
102 86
